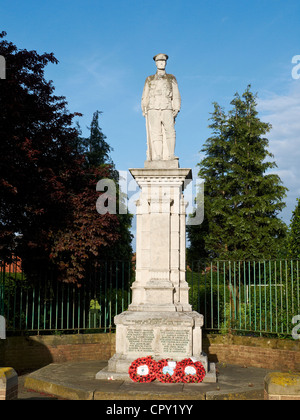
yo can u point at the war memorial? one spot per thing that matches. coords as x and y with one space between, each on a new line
160 321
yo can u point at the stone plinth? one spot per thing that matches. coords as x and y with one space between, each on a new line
160 321
157 334
160 283
173 335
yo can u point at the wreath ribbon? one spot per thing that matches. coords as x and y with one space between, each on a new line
166 371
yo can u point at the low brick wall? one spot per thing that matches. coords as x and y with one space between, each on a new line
275 354
30 353
8 384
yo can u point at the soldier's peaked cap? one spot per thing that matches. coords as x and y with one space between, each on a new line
160 57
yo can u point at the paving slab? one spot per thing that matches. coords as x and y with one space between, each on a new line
76 381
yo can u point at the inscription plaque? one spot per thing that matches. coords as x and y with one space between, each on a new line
140 340
175 341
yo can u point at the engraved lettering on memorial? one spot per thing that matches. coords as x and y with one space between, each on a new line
140 340
175 341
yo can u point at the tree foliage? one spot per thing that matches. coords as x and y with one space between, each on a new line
294 236
88 238
95 148
243 198
48 174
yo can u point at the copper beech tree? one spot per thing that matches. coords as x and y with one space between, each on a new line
48 191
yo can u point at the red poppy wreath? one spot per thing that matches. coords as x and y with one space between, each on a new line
143 369
166 371
189 371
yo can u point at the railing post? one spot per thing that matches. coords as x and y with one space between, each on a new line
2 328
2 287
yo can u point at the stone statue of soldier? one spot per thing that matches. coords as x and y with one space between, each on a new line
160 105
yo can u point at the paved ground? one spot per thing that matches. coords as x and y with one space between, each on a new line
76 381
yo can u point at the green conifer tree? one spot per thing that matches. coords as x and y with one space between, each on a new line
97 150
213 169
242 199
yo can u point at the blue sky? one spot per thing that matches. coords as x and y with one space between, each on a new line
215 49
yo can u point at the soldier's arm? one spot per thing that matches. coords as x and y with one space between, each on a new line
176 100
145 97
